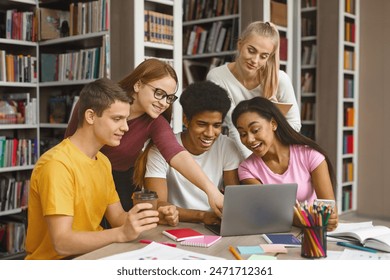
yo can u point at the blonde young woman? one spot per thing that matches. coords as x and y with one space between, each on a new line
152 86
255 72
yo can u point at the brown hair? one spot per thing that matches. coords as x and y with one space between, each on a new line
98 96
269 74
148 71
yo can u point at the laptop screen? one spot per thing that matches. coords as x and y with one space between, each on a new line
257 209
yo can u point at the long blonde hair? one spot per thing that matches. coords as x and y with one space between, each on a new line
269 77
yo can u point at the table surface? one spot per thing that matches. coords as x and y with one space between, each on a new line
219 249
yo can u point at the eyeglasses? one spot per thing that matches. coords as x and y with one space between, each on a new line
160 94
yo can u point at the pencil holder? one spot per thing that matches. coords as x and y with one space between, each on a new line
313 243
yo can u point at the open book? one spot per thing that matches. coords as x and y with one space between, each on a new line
368 235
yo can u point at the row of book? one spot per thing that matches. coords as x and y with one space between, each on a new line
346 197
349 30
348 144
18 108
13 193
215 38
350 6
78 65
308 111
18 68
18 152
349 116
349 60
279 13
158 27
89 17
309 54
348 88
283 48
308 131
308 26
199 9
347 175
81 18
12 237
308 3
59 109
307 82
19 25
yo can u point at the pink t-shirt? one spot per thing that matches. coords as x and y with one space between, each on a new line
303 160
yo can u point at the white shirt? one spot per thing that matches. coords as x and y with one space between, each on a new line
223 156
237 92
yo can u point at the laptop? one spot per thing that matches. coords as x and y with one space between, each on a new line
256 209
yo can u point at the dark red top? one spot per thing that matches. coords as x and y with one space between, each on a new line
141 129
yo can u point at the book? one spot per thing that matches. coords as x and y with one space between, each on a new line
204 241
364 233
195 71
180 234
283 107
286 239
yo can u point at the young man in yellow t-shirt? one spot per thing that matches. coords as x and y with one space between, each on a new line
72 187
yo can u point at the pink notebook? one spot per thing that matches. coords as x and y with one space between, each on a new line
205 241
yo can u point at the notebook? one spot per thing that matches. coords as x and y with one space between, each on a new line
180 234
205 241
286 239
257 209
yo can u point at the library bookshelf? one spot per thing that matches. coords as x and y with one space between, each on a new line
339 94
52 61
209 36
157 33
305 64
280 13
19 128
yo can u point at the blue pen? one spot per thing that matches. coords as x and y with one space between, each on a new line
354 246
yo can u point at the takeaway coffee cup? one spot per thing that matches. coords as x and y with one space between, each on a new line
145 196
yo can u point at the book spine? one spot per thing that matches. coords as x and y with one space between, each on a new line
169 235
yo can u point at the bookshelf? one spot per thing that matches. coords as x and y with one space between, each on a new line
339 94
19 128
209 36
280 12
72 48
305 63
77 57
157 33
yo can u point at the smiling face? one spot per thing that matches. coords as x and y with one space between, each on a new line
202 131
256 133
254 52
145 102
110 127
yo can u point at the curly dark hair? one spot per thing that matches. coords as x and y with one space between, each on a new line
204 96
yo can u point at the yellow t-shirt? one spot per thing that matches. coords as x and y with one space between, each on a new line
67 182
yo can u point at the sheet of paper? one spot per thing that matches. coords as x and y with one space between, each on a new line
156 251
362 255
